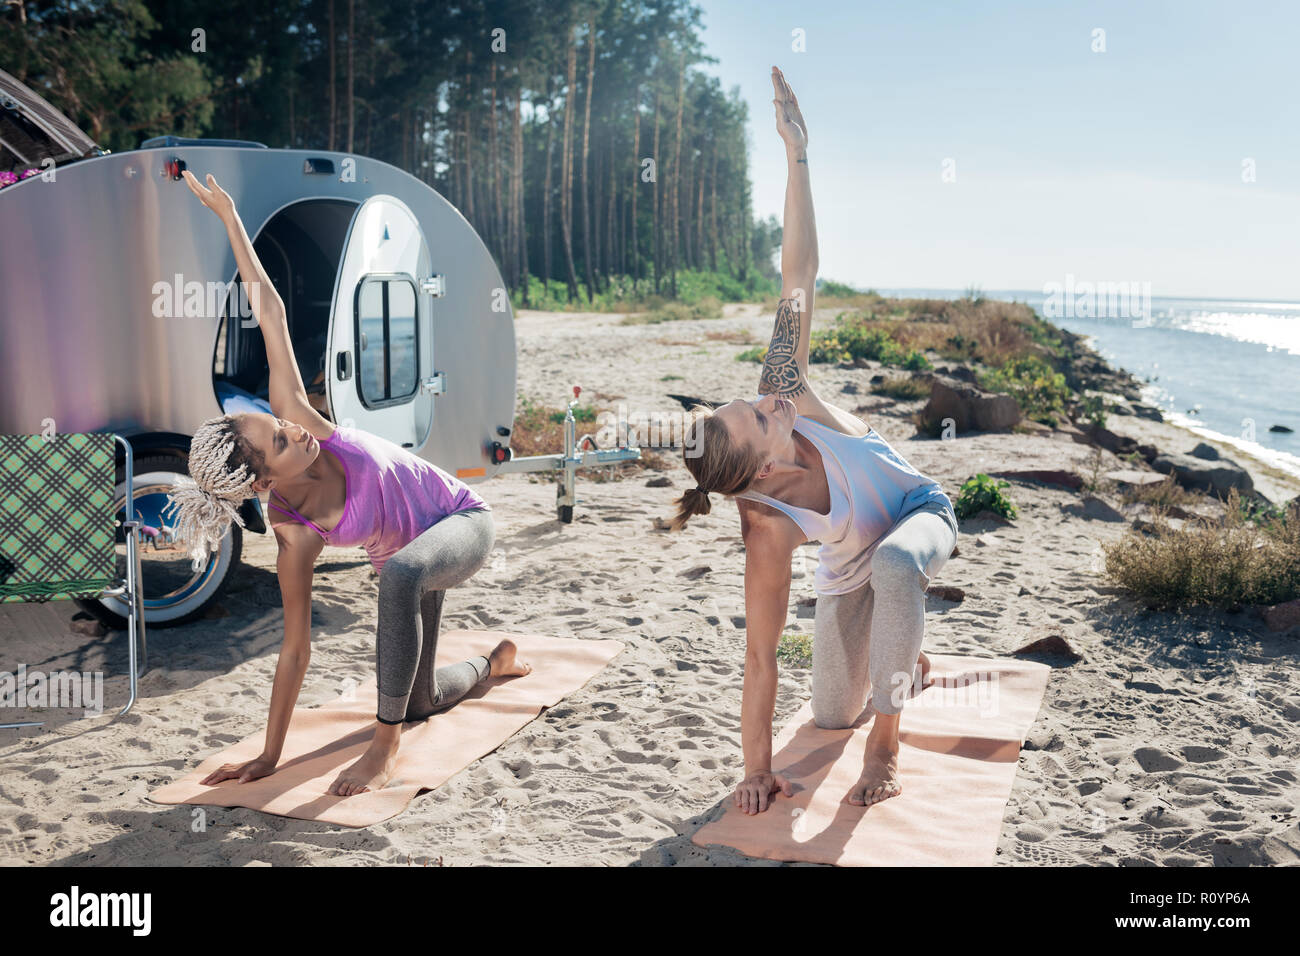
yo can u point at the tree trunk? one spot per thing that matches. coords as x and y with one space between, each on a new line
521 219
333 83
351 76
677 178
586 140
657 226
566 184
546 193
713 210
636 183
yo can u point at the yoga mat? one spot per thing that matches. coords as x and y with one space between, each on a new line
959 742
324 740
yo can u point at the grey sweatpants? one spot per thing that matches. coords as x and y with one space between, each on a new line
870 639
411 587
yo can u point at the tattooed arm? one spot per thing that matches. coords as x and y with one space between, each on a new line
785 370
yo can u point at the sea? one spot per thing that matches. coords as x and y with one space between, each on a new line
1227 369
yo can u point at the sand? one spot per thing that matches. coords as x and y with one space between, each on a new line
1173 741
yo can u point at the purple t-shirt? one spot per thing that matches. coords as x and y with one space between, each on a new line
393 496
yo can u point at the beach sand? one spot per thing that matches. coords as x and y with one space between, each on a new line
1173 741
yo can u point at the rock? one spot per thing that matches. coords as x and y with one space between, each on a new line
1147 411
1282 617
849 389
1094 509
1206 451
1198 474
1135 478
877 379
662 481
1067 430
1107 439
1282 429
1149 453
971 408
694 574
1052 646
88 628
1065 479
1031 427
964 374
946 592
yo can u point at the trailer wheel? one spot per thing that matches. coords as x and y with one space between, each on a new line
173 593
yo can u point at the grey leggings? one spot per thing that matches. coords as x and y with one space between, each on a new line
870 638
411 587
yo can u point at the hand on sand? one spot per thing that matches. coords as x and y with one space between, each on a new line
789 120
755 792
214 197
259 767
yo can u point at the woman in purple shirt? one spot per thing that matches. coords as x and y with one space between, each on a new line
424 530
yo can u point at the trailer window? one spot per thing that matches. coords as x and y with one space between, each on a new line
387 340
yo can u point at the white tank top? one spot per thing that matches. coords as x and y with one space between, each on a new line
871 488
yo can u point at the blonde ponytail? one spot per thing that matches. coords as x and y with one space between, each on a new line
223 467
716 462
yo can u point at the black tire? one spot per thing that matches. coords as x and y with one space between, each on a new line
214 577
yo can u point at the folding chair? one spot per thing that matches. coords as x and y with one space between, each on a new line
57 521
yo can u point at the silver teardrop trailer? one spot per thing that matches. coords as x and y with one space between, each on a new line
121 311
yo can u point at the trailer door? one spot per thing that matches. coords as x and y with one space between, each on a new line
381 374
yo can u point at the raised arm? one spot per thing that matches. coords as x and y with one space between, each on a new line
287 395
785 368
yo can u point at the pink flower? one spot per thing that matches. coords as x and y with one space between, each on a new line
7 179
31 172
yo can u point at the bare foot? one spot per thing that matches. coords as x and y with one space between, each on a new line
502 661
925 670
371 770
879 780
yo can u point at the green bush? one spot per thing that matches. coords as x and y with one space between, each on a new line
982 492
583 413
795 650
757 354
1093 409
1038 389
905 389
849 339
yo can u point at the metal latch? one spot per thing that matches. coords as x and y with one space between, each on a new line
436 384
435 286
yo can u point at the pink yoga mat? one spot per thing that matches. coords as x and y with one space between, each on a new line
322 741
959 744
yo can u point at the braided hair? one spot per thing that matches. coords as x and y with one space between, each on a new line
223 466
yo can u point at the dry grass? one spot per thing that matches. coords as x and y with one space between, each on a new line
1165 494
733 337
1228 566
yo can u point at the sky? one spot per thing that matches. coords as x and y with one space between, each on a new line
1128 163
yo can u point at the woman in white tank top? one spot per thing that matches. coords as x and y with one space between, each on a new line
803 470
